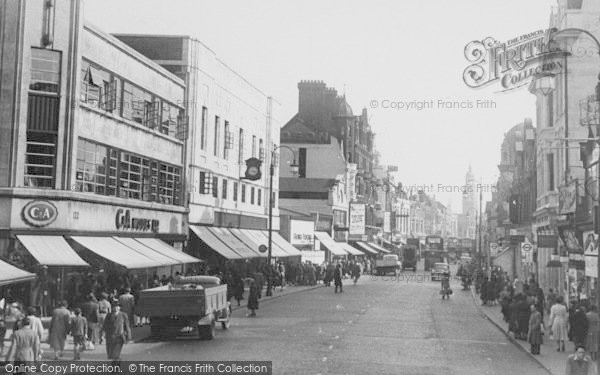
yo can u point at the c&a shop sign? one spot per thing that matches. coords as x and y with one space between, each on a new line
39 213
124 221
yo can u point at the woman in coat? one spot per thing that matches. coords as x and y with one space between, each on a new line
253 298
558 322
593 333
523 312
60 325
25 345
534 335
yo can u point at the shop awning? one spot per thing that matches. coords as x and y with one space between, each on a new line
51 251
10 274
350 249
366 248
234 243
214 242
146 251
168 250
379 248
254 239
116 252
286 246
330 244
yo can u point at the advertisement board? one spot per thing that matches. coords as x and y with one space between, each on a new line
590 252
357 219
302 232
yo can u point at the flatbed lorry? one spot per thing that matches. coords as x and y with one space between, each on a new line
192 306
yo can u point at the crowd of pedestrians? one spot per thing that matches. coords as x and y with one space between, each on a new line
531 315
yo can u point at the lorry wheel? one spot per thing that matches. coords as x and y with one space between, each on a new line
207 332
226 324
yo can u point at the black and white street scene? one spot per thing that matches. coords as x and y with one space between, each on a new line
300 187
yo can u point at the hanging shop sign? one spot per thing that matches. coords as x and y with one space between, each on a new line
124 221
590 253
357 218
567 199
514 63
39 213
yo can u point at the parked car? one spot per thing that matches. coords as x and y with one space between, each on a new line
438 270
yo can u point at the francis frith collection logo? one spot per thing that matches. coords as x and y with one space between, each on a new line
513 63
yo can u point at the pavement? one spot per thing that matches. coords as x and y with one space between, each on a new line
554 362
139 334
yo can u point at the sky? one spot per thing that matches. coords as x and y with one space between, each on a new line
377 53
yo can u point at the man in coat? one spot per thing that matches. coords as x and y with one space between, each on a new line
59 328
25 345
337 278
118 332
91 312
127 302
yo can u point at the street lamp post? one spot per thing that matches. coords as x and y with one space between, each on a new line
294 168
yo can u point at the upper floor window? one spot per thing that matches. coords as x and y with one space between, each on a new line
45 70
217 135
241 147
253 146
203 128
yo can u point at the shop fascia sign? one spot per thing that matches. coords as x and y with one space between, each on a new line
124 221
39 213
514 63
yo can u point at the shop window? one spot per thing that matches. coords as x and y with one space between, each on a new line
170 114
91 168
45 71
241 147
215 187
113 172
203 128
217 135
40 159
228 141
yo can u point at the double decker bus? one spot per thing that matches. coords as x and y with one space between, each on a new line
434 251
466 247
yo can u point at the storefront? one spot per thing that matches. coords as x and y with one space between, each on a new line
69 239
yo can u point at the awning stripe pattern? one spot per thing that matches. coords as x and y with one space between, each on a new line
214 242
168 250
263 236
51 251
10 274
379 248
234 243
286 246
366 248
330 244
146 251
350 249
116 252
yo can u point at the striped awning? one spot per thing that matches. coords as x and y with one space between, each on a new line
330 244
51 251
10 274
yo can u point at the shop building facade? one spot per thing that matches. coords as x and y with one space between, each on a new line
91 148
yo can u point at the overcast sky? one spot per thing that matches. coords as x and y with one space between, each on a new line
374 51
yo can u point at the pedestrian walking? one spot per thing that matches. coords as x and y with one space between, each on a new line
79 329
593 333
558 323
580 363
534 333
36 325
91 312
253 298
356 272
329 271
25 345
337 278
118 332
550 300
103 310
127 302
580 326
60 324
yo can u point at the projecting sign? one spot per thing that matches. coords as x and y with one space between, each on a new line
357 219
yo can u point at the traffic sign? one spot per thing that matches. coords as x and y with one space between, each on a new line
526 247
493 248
